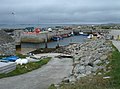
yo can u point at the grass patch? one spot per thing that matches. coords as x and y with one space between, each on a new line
89 82
52 86
21 69
115 69
21 55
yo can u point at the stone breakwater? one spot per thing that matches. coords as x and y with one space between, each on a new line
88 58
41 37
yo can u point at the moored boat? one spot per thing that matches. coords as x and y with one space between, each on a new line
90 36
83 34
56 38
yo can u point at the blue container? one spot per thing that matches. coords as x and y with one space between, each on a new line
11 58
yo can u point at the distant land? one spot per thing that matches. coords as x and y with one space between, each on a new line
44 25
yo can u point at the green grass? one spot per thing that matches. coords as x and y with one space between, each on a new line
21 55
89 82
52 87
97 81
21 69
115 69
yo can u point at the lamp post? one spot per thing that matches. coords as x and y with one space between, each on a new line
13 18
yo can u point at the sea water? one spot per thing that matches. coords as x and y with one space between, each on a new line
53 44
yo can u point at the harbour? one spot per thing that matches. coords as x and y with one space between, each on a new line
53 44
66 44
74 51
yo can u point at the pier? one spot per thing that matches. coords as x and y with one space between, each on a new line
41 37
21 36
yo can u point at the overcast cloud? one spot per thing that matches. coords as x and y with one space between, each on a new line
60 11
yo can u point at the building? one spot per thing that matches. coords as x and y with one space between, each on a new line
7 44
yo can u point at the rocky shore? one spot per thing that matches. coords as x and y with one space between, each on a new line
88 58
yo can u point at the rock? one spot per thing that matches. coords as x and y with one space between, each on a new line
107 62
107 77
81 75
104 57
72 79
88 69
97 62
101 67
88 72
66 80
56 85
95 68
81 67
99 73
81 70
87 61
90 64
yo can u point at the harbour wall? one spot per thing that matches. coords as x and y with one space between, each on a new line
41 37
91 30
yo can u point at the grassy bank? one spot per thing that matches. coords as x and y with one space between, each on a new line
21 69
97 81
89 82
115 69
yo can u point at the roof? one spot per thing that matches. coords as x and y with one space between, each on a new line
5 38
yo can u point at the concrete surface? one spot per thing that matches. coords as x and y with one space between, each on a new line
115 33
42 78
116 44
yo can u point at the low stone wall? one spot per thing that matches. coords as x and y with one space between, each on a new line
7 49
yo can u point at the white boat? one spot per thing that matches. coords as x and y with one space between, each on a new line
81 33
72 33
90 36
50 29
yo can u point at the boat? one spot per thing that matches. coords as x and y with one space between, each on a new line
56 38
70 34
64 35
83 34
90 36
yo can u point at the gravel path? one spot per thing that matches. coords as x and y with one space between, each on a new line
53 72
116 44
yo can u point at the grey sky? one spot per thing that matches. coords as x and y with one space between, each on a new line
60 11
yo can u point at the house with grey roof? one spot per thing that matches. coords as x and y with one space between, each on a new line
7 44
